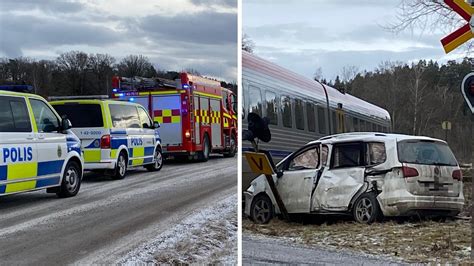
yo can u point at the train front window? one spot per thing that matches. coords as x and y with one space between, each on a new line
255 101
286 111
299 114
271 105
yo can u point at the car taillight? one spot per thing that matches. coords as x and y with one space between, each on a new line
105 142
457 174
409 172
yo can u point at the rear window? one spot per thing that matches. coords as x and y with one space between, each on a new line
81 115
425 152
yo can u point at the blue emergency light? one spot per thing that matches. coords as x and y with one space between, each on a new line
17 88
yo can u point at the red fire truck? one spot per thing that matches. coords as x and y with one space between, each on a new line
196 114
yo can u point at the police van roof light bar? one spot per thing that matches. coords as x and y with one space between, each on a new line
82 97
17 88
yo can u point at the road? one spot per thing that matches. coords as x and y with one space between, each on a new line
269 250
109 218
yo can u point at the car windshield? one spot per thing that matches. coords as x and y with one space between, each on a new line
81 115
425 152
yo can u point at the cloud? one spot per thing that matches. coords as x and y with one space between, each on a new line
203 37
51 6
200 28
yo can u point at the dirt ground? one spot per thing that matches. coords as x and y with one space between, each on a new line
410 239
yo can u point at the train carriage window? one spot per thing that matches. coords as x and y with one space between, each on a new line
311 117
362 126
271 105
286 111
299 114
356 125
334 122
255 101
321 120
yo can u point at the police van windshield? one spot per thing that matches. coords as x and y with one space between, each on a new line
81 115
425 152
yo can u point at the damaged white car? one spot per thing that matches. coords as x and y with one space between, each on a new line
366 175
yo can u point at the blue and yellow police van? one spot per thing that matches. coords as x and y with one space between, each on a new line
37 148
115 135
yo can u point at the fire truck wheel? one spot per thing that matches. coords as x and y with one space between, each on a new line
158 164
233 147
204 154
121 167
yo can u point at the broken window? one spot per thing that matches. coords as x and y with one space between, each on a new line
324 155
309 159
376 153
347 155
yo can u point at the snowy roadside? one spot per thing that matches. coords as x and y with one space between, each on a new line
208 235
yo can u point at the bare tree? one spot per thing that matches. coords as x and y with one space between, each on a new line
348 73
102 67
318 74
136 65
426 15
247 43
74 64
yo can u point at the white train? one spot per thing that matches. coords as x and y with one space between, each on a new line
300 109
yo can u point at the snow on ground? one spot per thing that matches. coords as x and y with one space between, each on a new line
208 235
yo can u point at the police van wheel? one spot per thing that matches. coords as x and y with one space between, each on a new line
121 167
233 147
71 182
158 164
203 156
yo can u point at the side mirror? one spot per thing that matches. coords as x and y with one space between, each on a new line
65 124
156 124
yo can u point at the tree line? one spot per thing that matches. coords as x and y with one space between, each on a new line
79 73
419 97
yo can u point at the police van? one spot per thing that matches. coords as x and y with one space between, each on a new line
37 148
115 135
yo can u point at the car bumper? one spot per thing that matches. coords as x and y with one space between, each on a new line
422 204
101 165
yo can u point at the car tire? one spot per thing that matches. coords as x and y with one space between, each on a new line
203 156
71 181
121 167
366 209
261 210
233 147
158 164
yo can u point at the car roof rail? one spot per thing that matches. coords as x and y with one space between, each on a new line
17 88
81 97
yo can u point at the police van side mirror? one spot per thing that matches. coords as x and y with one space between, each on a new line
65 124
156 124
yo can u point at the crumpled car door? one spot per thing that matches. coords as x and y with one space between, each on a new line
295 189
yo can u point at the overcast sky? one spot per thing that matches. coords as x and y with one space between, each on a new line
303 35
174 34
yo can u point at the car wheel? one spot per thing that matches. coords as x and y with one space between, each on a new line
366 209
121 167
233 148
204 154
71 182
261 211
158 164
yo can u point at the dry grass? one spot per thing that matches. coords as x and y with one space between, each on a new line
426 241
